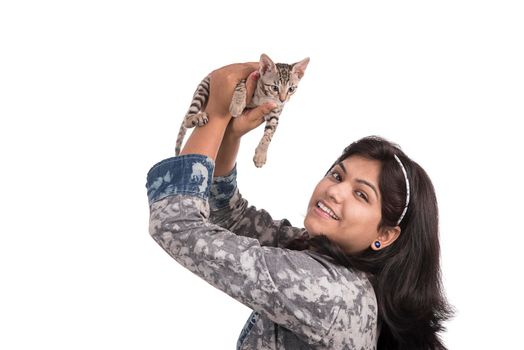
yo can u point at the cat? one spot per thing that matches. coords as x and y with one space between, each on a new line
277 83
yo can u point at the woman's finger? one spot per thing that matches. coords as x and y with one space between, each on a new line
252 65
251 84
256 115
239 70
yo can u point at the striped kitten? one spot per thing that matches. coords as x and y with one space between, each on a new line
277 83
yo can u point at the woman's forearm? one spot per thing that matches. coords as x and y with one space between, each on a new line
206 139
227 154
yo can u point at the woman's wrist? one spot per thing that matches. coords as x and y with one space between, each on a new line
227 153
206 139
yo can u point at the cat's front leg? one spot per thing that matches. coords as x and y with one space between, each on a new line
238 102
269 130
260 157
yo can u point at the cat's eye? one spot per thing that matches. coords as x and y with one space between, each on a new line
275 88
292 89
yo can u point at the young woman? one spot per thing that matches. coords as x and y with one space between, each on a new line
363 273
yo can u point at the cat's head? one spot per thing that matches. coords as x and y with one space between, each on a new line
279 81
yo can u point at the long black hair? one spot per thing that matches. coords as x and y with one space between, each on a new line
406 274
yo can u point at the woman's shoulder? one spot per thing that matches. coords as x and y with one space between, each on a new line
352 287
348 277
357 314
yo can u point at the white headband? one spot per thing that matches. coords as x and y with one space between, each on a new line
407 190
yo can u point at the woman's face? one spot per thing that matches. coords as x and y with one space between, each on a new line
346 204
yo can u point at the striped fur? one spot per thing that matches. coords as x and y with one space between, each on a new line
195 115
276 84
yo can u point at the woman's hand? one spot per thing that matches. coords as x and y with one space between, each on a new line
251 118
206 139
222 85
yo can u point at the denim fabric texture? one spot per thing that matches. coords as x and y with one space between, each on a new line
189 174
223 189
251 321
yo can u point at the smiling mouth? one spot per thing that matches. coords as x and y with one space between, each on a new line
324 208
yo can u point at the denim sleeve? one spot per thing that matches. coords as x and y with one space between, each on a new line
298 290
189 174
231 211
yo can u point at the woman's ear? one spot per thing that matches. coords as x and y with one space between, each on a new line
386 237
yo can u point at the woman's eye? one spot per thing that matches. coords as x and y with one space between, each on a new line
275 88
362 195
335 175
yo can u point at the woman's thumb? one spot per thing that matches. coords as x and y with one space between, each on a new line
258 113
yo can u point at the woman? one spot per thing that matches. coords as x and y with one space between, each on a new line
363 274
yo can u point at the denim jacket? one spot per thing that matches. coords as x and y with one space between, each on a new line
300 299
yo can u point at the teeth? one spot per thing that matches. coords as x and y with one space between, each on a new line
327 210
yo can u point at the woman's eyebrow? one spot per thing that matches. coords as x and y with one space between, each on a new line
368 184
360 180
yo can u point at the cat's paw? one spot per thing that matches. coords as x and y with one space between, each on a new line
237 107
198 119
260 159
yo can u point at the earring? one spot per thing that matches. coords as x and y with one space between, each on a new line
377 244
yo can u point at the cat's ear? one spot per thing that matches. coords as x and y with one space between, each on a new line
266 65
300 67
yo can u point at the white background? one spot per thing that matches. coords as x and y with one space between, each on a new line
92 94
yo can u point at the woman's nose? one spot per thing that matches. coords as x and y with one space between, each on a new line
335 192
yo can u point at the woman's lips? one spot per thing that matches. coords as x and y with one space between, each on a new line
322 213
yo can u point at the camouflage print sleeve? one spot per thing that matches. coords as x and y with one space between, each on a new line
294 289
229 210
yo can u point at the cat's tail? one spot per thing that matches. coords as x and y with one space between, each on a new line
180 138
194 115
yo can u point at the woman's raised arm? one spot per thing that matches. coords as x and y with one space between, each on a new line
205 140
